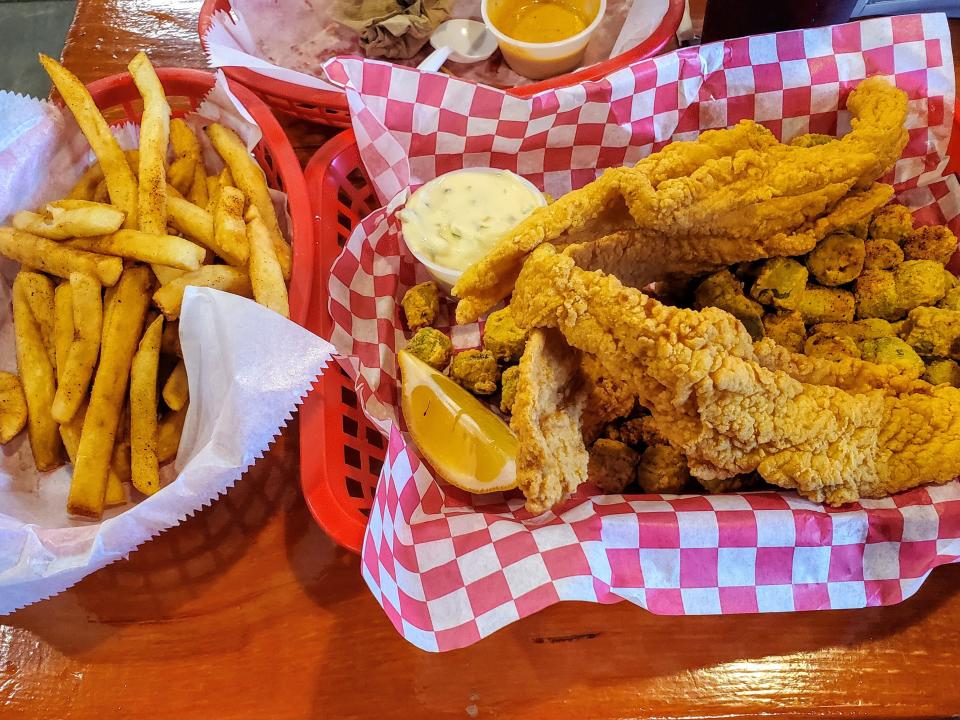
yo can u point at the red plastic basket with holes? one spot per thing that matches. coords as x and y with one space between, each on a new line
119 101
330 108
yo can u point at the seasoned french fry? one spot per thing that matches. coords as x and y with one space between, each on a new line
248 176
169 298
101 194
225 179
229 230
39 293
198 190
120 463
176 392
71 218
39 384
70 434
133 160
186 144
266 277
86 186
168 250
154 135
170 344
82 357
171 427
166 274
58 258
62 326
213 192
120 181
194 222
13 407
144 464
180 175
95 453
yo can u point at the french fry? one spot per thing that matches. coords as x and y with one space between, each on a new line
82 357
39 384
120 463
56 258
70 435
213 192
39 293
229 230
165 274
70 218
121 182
86 186
144 464
13 407
225 178
169 298
101 194
198 190
170 343
180 175
171 427
194 222
168 250
266 277
154 135
248 176
185 144
95 453
176 392
62 326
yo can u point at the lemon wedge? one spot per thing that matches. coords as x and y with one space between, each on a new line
464 441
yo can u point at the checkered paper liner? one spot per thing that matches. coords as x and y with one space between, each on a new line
450 568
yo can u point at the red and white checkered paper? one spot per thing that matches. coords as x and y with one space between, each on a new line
450 568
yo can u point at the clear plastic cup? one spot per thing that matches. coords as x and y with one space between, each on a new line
538 61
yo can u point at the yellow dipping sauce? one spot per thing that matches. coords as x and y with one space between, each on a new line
542 21
454 220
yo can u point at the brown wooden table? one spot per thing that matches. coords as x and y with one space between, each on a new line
248 610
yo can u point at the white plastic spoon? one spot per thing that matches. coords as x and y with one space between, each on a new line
462 41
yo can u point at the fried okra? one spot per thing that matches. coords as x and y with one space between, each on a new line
931 242
951 300
941 372
831 347
786 329
722 290
502 337
881 254
780 282
612 465
837 259
933 332
821 304
893 222
738 483
508 388
858 331
662 469
476 370
892 351
431 346
420 304
860 229
891 295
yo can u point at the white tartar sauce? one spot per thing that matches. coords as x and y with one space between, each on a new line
455 219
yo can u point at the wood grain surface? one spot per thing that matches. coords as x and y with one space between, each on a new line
248 611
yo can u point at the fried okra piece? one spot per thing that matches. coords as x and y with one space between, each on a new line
891 295
859 330
933 332
808 140
892 351
722 290
951 300
476 370
837 259
831 347
662 469
941 372
636 432
502 337
931 242
421 303
877 297
508 388
881 254
893 222
780 282
612 465
860 229
821 304
786 329
431 346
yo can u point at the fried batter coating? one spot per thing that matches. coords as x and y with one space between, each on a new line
809 140
662 469
858 330
877 296
606 399
421 303
881 254
837 259
820 305
831 347
941 372
786 329
893 222
930 242
476 370
722 290
951 300
933 332
502 337
508 388
859 229
891 295
892 351
431 346
612 465
780 282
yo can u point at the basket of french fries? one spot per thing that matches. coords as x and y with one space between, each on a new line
164 190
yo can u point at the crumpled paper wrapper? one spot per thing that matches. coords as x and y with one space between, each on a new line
290 41
391 29
254 369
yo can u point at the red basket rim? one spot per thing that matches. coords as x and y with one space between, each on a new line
260 83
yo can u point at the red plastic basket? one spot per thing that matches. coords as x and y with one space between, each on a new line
330 108
119 101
